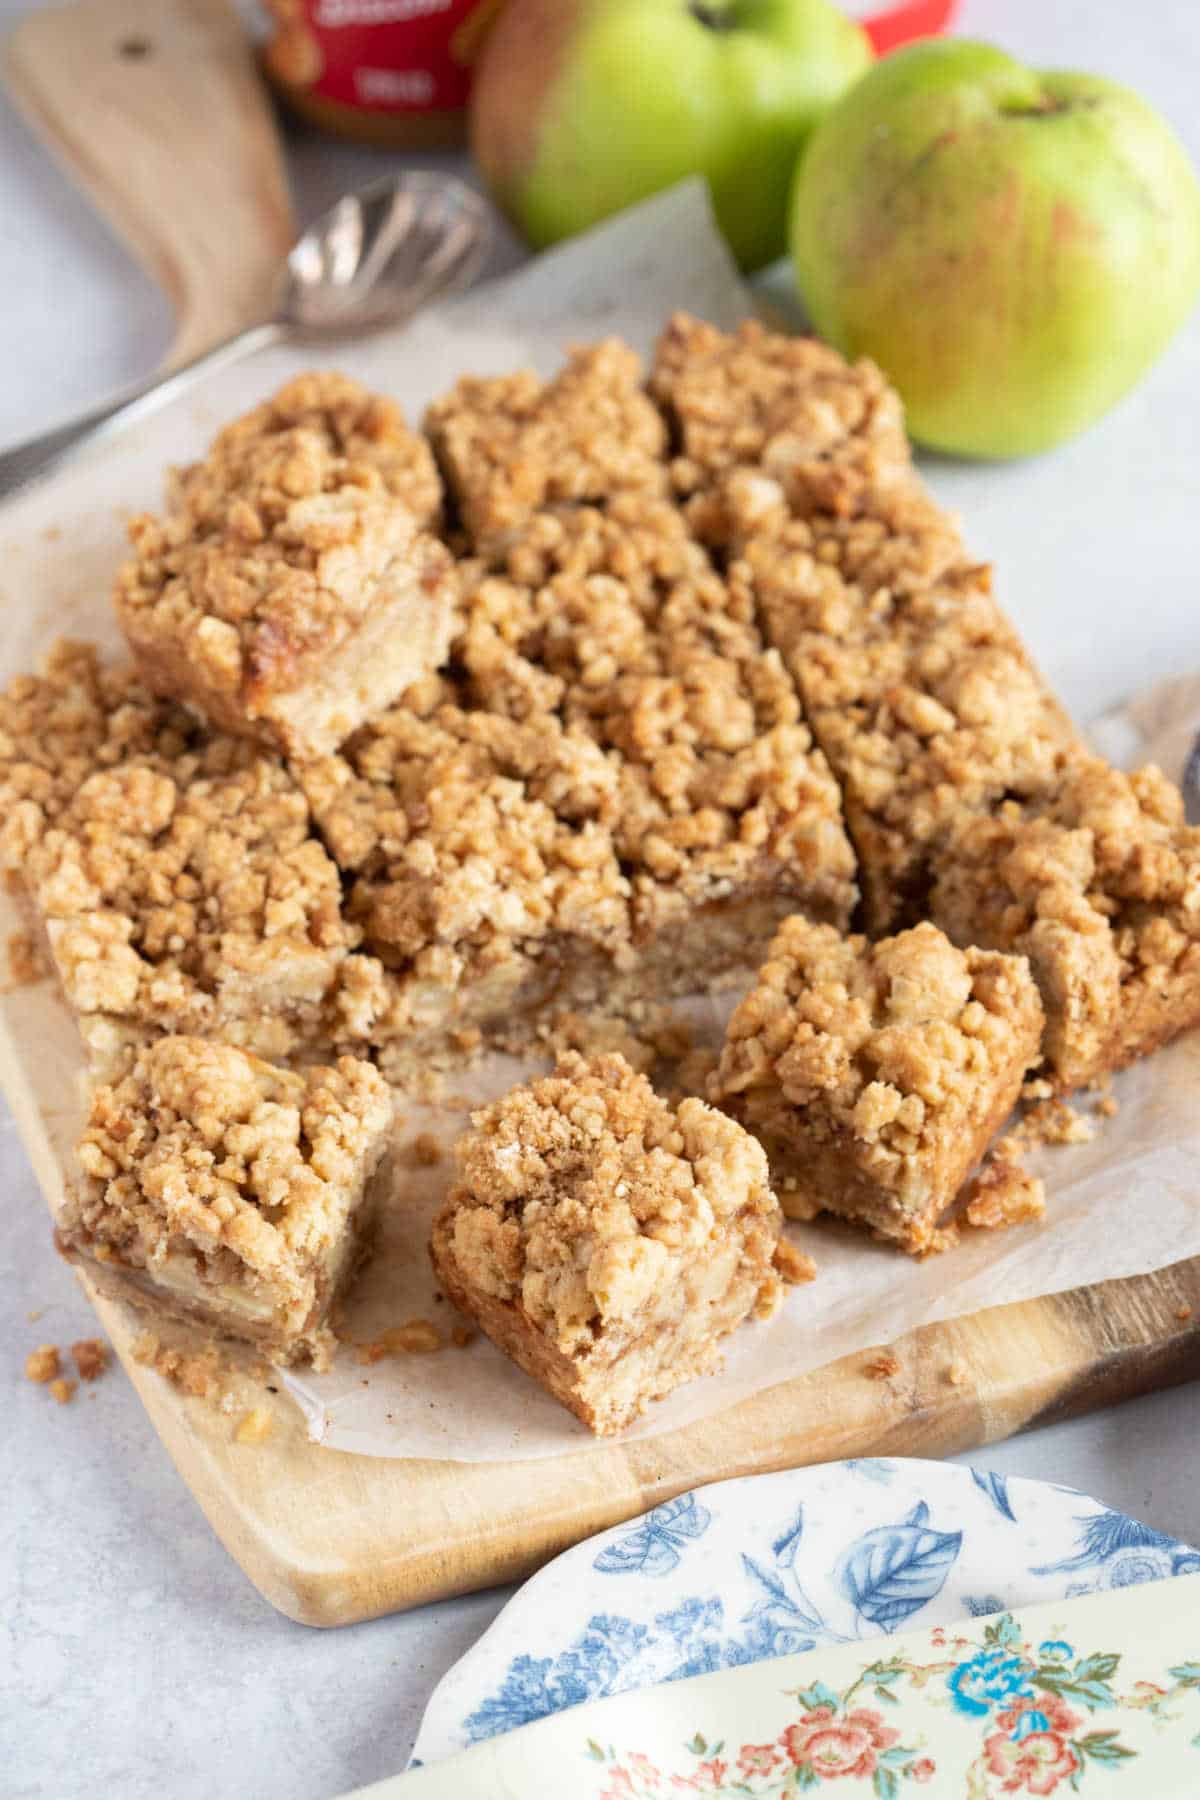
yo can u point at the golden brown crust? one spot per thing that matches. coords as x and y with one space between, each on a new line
876 1074
296 537
1097 881
229 1189
510 445
606 1239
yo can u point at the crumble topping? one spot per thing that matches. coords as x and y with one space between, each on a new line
510 445
626 631
1096 879
581 1194
825 433
884 1037
250 1166
278 546
57 728
190 893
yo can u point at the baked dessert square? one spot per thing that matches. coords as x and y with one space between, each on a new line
191 895
1097 881
291 589
80 714
763 420
511 445
605 1240
875 1075
219 1189
728 817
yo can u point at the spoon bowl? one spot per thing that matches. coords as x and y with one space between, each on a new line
374 259
377 256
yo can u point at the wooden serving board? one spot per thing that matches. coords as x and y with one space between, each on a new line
328 1537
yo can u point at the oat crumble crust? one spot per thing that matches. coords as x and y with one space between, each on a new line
605 1239
875 1074
618 623
1097 881
219 1186
192 895
57 728
509 445
298 534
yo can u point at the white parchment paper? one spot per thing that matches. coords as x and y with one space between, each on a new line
1125 1203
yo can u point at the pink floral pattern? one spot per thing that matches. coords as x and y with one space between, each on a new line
1034 1706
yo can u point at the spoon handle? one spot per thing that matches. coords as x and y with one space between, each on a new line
37 456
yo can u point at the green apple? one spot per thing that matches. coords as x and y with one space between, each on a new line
581 107
1013 248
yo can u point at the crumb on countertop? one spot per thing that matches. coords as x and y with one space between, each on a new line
42 1364
91 1358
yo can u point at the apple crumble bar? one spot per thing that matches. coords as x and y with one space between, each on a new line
510 445
875 1075
618 623
1097 881
291 590
191 895
57 728
218 1188
606 1241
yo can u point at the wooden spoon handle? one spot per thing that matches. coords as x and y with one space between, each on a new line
155 106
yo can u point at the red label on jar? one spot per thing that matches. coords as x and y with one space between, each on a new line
391 56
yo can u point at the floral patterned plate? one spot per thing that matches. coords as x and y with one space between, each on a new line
1091 1695
777 1565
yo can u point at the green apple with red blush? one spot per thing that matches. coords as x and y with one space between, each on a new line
582 107
1013 248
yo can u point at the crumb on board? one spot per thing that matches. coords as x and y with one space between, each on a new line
414 1337
957 1374
26 963
424 1151
792 1265
42 1364
1183 1314
90 1356
201 1374
63 1390
254 1427
462 1335
882 1366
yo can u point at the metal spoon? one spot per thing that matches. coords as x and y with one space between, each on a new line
375 258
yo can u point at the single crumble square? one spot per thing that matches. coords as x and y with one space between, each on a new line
511 445
79 715
1096 879
605 1240
218 1188
291 589
875 1075
192 896
728 818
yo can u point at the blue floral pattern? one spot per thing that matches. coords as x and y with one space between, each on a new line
774 1565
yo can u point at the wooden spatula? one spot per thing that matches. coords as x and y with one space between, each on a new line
156 108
